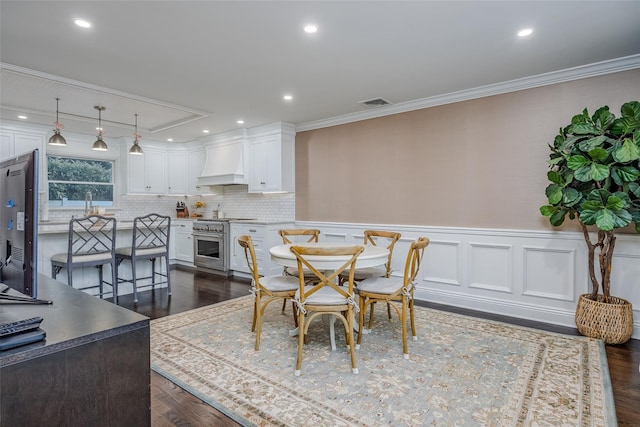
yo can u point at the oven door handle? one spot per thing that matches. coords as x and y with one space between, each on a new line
216 235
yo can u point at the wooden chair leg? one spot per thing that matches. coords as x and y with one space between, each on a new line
301 336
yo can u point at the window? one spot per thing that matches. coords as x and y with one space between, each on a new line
74 181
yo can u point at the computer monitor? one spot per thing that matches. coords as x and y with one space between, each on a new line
19 227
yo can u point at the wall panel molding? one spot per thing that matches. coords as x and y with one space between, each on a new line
534 275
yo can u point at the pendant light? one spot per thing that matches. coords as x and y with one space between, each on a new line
100 145
56 138
135 148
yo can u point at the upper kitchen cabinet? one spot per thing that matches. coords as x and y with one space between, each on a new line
147 173
177 172
14 141
195 164
271 160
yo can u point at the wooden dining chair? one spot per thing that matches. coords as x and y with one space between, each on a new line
150 241
91 243
265 289
375 237
397 292
293 236
325 296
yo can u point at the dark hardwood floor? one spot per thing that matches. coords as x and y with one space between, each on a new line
172 406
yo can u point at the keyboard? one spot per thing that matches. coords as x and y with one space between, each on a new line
20 326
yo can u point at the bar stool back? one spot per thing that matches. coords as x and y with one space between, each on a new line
91 243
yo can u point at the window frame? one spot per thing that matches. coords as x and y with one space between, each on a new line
76 204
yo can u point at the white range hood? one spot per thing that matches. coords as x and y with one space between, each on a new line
224 160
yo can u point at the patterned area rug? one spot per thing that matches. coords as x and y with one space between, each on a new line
462 371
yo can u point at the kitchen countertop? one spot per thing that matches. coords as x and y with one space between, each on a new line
57 227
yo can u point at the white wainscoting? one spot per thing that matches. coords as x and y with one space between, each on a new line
536 275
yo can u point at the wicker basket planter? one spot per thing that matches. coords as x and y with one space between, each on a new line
612 322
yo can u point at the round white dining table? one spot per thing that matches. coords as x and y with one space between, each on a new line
372 256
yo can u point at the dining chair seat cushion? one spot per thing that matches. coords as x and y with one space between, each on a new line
153 250
366 273
62 257
324 296
293 271
381 285
280 283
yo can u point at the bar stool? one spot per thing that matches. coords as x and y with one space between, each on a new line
150 241
91 243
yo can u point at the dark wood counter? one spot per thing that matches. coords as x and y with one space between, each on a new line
92 369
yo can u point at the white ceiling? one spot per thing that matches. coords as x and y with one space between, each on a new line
193 65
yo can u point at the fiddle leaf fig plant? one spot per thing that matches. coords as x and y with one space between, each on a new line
595 178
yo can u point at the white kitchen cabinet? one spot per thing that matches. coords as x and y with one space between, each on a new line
147 173
183 241
264 236
195 164
271 158
177 171
16 141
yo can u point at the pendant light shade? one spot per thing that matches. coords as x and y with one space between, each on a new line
56 138
135 149
99 145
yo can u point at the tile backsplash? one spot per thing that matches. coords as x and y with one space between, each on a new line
235 202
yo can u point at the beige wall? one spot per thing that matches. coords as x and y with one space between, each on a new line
478 163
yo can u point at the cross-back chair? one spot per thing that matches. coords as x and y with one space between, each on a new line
325 296
91 243
293 236
150 241
374 237
397 292
265 289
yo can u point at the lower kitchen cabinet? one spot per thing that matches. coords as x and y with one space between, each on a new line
264 235
183 241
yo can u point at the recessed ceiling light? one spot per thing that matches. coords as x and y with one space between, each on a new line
287 97
170 139
205 131
311 28
525 32
82 23
240 122
22 117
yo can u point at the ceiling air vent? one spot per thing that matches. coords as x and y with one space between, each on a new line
375 102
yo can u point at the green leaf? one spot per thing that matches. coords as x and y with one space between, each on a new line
571 197
558 217
614 203
589 216
591 143
554 193
628 173
580 118
599 172
607 219
578 161
627 152
599 197
584 129
624 125
631 109
598 154
634 188
555 177
548 210
583 174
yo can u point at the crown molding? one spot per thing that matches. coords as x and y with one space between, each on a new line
569 74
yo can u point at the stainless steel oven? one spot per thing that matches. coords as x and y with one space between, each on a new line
211 246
